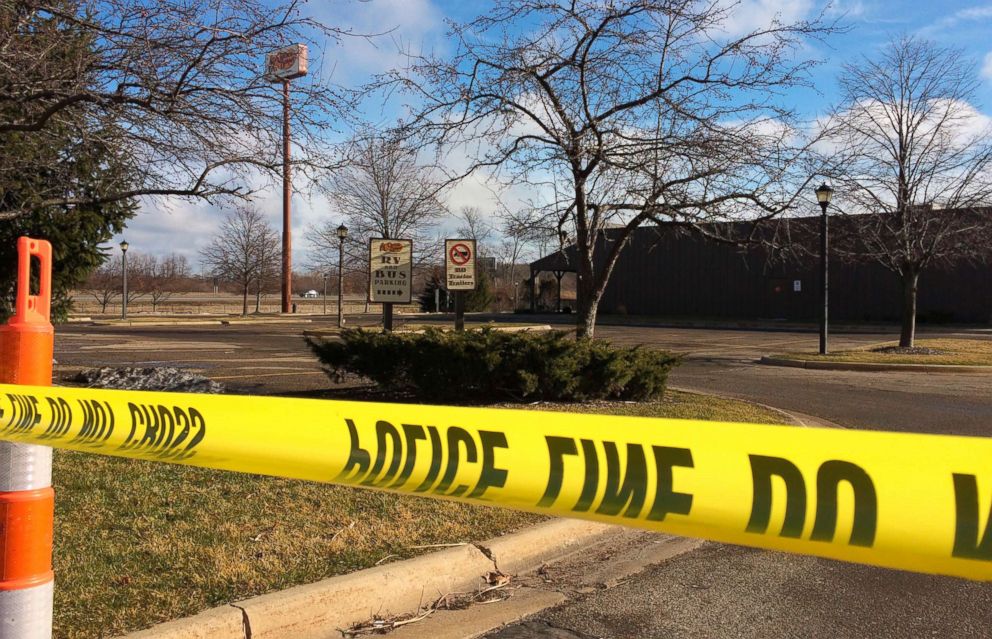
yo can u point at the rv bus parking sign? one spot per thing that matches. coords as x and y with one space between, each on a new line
459 264
390 270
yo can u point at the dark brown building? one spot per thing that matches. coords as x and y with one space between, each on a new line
668 272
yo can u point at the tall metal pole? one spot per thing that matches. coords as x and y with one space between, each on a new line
287 189
340 282
124 285
325 293
824 277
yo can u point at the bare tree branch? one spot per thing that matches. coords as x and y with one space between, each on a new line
629 111
246 250
912 163
175 87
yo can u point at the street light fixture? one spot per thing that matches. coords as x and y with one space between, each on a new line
823 195
342 235
124 246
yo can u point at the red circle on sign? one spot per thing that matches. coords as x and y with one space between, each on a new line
460 254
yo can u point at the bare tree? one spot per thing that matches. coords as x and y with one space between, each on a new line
382 191
140 270
245 248
104 284
516 237
269 263
162 276
472 225
911 162
175 87
630 111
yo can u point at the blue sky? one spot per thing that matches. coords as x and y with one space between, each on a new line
165 226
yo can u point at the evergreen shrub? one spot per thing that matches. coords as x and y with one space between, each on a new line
488 365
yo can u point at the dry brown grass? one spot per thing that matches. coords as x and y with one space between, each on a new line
968 352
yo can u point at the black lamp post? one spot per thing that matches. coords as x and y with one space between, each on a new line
124 245
342 235
823 195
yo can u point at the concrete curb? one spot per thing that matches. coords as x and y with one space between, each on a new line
797 419
333 332
200 322
286 320
129 323
873 367
316 611
501 329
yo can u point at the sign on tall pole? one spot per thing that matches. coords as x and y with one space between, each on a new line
459 274
390 275
282 66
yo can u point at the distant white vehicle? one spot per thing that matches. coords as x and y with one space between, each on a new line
311 294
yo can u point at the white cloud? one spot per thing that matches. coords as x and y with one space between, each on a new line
167 225
971 14
402 25
749 15
987 66
164 226
846 8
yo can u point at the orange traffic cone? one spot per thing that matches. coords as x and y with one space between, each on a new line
27 501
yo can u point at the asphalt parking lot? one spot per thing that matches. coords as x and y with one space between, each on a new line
256 358
272 358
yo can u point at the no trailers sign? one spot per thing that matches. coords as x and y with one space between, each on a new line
459 265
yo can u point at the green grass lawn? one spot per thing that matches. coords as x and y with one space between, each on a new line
968 352
137 543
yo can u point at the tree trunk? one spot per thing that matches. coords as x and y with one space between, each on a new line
244 301
587 305
910 279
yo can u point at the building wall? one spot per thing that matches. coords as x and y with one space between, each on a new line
687 275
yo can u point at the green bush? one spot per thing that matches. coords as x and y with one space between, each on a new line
487 365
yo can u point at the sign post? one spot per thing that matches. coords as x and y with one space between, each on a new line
459 272
390 275
282 66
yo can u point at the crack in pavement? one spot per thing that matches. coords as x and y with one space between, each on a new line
488 553
246 622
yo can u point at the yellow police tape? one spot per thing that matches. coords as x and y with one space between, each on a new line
916 502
